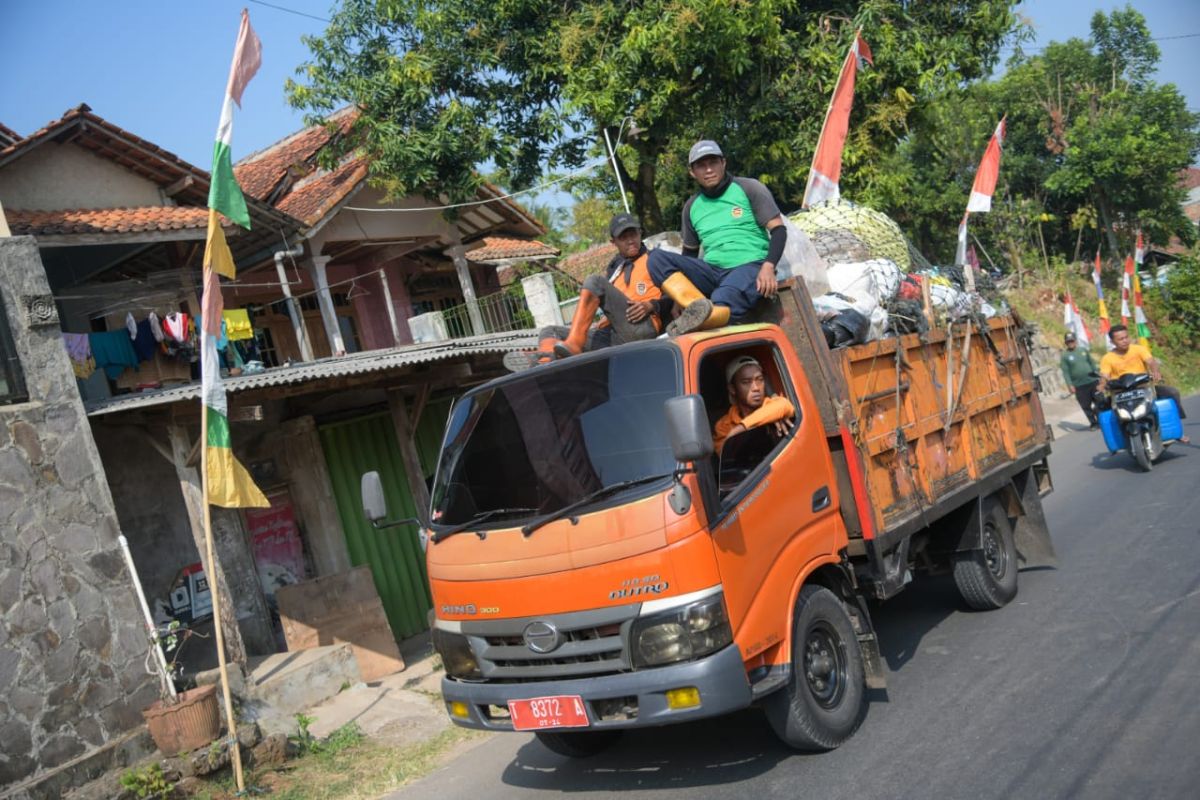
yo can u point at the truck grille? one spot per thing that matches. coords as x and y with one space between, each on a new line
590 643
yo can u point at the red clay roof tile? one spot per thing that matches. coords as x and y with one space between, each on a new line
501 247
591 261
106 220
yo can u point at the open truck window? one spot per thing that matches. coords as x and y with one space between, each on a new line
744 453
553 435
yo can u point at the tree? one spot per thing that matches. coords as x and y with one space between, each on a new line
1094 147
531 85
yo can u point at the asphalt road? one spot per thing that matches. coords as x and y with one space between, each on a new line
1086 686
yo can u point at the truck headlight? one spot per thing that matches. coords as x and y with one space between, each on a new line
681 634
457 656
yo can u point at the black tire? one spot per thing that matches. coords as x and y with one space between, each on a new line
578 744
987 578
1140 449
823 703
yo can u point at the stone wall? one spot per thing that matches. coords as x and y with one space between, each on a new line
71 636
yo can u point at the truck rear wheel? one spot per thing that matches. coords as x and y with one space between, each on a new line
579 744
822 704
987 578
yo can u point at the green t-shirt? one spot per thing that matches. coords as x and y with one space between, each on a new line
731 227
1076 364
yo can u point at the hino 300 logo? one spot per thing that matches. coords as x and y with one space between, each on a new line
469 608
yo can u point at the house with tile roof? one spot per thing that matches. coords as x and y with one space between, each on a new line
107 226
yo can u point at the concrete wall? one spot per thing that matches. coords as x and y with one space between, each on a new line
71 636
62 176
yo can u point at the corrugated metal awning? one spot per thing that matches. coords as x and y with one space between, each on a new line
309 371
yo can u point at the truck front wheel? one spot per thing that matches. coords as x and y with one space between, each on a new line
987 578
822 704
580 744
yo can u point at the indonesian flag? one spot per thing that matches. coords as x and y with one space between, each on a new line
826 168
226 481
1139 315
983 188
1103 310
1073 321
1139 252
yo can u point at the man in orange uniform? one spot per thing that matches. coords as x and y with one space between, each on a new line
1126 358
750 407
633 306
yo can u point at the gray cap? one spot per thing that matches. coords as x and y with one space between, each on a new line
621 223
731 369
702 148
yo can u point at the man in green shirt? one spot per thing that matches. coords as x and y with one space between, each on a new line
738 223
1077 368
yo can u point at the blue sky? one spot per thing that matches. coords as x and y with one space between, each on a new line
158 69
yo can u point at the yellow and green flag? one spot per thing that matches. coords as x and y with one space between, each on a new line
227 483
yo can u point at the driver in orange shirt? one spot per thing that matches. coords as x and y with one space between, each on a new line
750 407
1126 358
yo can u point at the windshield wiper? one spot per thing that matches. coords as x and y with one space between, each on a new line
612 488
479 518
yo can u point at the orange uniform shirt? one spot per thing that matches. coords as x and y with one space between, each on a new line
637 287
773 409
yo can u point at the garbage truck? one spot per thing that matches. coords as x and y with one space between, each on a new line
596 566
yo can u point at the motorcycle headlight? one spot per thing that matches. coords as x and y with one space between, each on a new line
457 657
681 634
1141 410
1124 413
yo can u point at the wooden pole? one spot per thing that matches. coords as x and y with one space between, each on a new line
234 751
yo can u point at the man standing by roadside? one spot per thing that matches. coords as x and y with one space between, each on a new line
1077 368
1126 358
738 223
633 306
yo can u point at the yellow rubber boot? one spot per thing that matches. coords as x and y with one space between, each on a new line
698 313
585 312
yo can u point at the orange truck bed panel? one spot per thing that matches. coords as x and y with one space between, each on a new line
940 413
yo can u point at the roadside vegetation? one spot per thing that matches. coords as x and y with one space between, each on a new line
346 765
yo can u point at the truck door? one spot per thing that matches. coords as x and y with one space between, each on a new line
777 495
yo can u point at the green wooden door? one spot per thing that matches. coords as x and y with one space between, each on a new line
394 555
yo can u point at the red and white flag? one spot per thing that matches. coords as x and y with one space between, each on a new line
983 188
1127 290
1103 310
826 169
1073 321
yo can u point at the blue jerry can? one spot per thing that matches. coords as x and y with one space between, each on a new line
1114 437
1168 418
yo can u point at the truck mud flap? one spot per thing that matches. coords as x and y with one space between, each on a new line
1031 534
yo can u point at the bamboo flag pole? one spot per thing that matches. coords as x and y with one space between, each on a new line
234 749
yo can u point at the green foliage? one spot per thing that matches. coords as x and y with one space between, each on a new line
1181 304
307 744
1094 149
303 738
530 85
146 782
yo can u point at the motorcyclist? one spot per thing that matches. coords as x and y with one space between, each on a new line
1127 358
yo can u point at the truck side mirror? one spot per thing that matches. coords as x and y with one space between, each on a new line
374 504
687 428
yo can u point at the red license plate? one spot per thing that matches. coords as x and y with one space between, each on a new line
540 713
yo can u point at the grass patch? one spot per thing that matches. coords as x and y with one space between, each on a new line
349 766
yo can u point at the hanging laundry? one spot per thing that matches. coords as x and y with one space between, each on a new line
237 322
131 325
144 344
79 351
113 352
155 326
176 326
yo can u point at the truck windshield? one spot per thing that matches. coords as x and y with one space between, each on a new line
551 437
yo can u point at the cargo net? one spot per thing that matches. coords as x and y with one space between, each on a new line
866 277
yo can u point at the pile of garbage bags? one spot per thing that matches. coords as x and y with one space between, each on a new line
867 282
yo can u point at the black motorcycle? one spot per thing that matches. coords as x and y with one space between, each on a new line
1132 402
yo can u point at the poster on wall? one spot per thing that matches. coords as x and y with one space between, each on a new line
275 541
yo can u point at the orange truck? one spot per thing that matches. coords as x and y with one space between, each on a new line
595 567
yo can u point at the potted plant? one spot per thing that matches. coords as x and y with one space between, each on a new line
179 722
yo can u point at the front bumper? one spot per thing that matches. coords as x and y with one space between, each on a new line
720 678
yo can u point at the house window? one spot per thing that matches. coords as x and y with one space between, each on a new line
12 380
